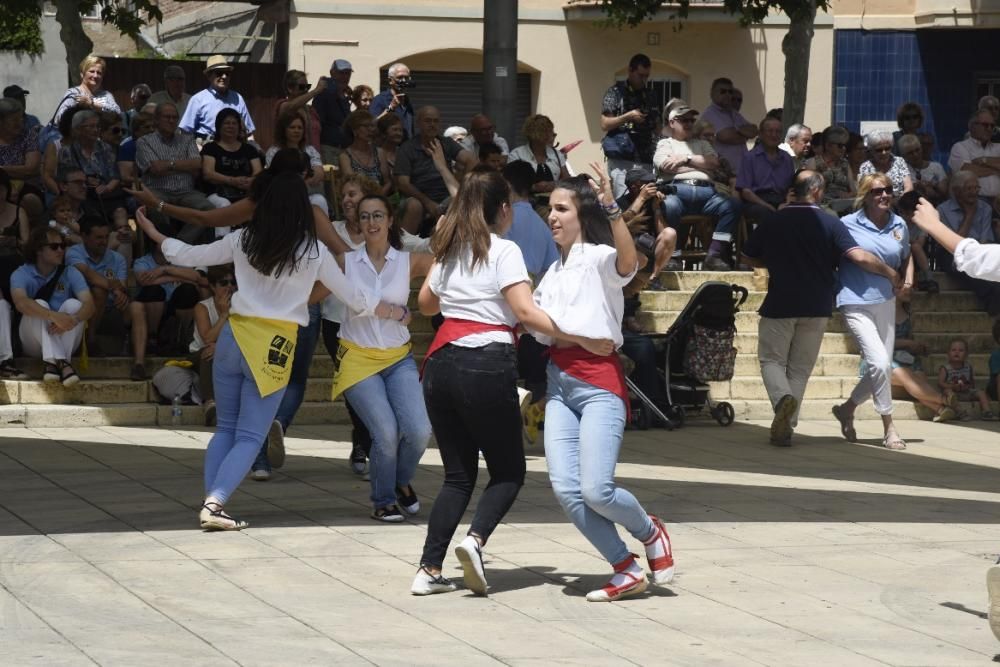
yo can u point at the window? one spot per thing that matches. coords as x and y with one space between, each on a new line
663 90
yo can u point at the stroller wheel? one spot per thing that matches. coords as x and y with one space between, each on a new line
676 415
724 413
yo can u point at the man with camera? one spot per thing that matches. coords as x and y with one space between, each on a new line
642 209
686 161
395 99
628 117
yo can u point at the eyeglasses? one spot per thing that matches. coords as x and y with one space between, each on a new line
985 125
882 149
226 282
55 246
878 192
219 75
377 216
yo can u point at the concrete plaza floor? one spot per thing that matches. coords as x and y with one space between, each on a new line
826 553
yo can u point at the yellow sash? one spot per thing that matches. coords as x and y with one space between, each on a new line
269 348
355 363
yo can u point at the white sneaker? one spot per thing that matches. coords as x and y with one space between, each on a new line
470 555
426 583
993 587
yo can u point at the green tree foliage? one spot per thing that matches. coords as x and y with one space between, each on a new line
19 27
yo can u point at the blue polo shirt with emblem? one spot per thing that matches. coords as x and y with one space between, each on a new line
71 284
112 265
147 263
891 244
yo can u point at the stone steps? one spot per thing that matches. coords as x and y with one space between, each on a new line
972 323
952 301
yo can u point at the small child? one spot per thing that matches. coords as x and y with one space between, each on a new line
66 214
957 379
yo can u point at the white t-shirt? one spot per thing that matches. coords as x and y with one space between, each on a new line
476 295
332 308
968 150
213 316
391 286
279 298
671 147
583 295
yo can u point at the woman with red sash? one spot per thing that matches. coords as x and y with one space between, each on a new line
480 285
588 401
277 260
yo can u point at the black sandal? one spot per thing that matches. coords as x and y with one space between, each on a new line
217 519
68 379
51 373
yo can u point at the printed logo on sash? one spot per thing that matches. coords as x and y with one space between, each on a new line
268 347
279 352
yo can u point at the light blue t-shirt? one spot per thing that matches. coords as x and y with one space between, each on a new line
112 265
534 238
71 284
147 263
890 244
204 106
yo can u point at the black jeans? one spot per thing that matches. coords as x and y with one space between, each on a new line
532 360
472 402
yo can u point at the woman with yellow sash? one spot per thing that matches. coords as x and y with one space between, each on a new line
277 260
375 369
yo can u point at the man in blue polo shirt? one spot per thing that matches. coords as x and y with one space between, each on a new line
51 327
203 107
106 273
800 246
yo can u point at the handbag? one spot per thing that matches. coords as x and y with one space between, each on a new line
710 355
50 132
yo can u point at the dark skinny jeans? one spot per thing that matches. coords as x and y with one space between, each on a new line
472 402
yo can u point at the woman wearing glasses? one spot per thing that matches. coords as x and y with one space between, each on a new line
833 166
868 302
909 118
883 161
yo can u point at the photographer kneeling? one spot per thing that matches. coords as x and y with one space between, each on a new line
642 210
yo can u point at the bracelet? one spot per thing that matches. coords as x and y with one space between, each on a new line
610 207
614 215
403 316
159 207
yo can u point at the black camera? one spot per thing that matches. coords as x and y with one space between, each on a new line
404 82
665 187
645 243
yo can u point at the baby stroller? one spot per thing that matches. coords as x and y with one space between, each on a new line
698 348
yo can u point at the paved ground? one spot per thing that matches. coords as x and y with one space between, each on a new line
825 553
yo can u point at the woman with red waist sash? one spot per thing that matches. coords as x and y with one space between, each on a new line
479 283
588 401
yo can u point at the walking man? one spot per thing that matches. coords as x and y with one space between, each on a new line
800 246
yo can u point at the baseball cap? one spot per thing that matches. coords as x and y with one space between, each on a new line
342 65
14 91
681 110
639 175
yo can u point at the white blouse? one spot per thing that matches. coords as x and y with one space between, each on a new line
392 285
283 297
332 308
476 295
583 295
213 316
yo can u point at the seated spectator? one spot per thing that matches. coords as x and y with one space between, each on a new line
143 124
168 160
642 210
456 133
548 163
857 154
766 174
482 131
296 100
395 100
111 130
732 130
333 106
490 155
167 290
926 145
361 97
832 165
14 229
909 118
20 95
722 176
686 161
204 106
50 156
66 212
970 217
229 163
423 180
363 156
991 104
906 206
174 80
290 133
19 157
979 155
798 144
958 381
54 303
106 273
882 161
89 93
531 234
390 137
138 97
816 148
98 162
210 316
929 178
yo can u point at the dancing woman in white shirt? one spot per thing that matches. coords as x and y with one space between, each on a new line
481 286
588 401
277 260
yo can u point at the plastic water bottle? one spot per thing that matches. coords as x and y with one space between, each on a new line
176 411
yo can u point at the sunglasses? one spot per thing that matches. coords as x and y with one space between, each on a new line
226 282
56 246
878 192
883 149
303 87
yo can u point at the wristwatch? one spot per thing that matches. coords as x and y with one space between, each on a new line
687 160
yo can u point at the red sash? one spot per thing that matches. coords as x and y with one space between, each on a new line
603 372
452 329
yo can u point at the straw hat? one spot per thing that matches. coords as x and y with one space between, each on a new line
216 62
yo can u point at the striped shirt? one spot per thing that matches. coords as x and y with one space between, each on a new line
154 147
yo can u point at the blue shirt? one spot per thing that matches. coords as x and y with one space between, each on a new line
982 223
112 265
127 150
71 284
890 244
534 238
199 117
147 263
405 111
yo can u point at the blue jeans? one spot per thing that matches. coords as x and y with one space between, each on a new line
702 200
391 404
583 434
244 417
305 346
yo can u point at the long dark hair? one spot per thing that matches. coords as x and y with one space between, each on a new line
282 232
594 223
471 216
395 238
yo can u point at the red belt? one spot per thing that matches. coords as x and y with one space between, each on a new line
603 372
454 329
